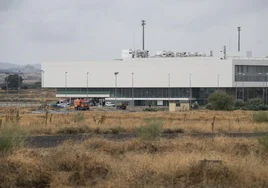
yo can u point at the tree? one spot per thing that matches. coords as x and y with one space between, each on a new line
220 101
14 81
255 102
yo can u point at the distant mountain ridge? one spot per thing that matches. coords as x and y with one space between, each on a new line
10 67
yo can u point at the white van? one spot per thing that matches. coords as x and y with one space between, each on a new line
109 104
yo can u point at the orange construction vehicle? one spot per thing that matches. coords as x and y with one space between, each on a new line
80 104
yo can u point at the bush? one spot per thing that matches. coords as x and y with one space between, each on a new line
260 116
255 102
209 106
264 143
220 101
255 107
195 106
240 103
151 130
11 137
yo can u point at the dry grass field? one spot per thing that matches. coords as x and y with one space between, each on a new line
137 162
187 162
105 122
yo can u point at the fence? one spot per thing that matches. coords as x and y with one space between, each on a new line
20 104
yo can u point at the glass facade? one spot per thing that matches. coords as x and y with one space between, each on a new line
200 94
137 92
251 73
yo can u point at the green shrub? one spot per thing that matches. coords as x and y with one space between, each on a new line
152 129
255 102
240 103
260 116
11 137
255 107
209 106
220 101
195 106
78 117
264 143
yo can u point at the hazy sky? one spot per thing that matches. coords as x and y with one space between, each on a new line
33 31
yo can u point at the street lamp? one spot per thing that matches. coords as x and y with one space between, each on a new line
168 89
147 95
190 92
243 89
133 89
115 97
218 82
65 84
266 88
235 81
262 86
87 85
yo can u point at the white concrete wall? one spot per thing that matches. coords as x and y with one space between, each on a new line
147 73
150 72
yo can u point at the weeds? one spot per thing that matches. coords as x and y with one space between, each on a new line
78 117
151 130
264 143
74 130
260 117
210 174
99 119
11 137
117 130
13 116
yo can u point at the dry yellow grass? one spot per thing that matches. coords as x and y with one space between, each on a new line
135 163
190 122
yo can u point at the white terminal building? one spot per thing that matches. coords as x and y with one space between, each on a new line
165 77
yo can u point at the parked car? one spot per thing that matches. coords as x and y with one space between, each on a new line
109 104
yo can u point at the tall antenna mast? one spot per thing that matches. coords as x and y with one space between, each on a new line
143 23
239 31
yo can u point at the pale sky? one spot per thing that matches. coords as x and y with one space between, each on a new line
34 31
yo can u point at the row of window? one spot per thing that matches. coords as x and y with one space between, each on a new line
251 73
143 92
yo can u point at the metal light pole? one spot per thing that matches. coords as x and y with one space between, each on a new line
147 95
168 89
65 84
235 86
115 97
266 88
43 79
132 89
190 92
262 79
143 23
239 31
87 85
218 81
244 87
